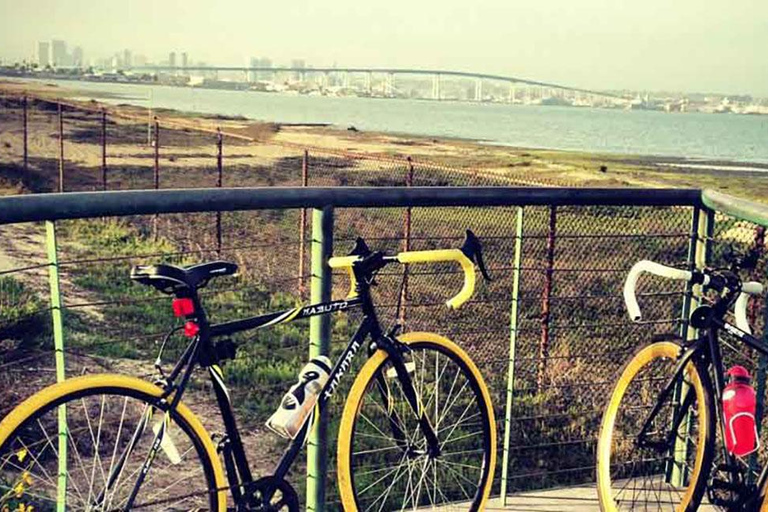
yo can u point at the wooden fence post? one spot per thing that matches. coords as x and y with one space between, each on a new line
156 174
103 149
406 246
303 224
219 182
26 133
61 148
545 298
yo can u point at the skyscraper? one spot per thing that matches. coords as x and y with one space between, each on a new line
184 60
172 59
77 57
59 53
44 54
127 59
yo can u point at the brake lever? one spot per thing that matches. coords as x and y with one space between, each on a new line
360 248
472 249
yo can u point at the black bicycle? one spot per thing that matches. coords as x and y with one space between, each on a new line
417 429
657 446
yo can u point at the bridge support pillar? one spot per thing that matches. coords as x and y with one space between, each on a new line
512 93
436 87
479 89
389 90
369 83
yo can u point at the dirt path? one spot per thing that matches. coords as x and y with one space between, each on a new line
23 248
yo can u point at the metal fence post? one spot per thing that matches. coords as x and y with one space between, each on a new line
406 245
156 174
157 154
545 298
61 149
512 349
58 343
698 249
26 133
303 223
103 149
762 363
319 344
760 377
219 182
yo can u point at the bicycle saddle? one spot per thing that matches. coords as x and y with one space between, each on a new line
171 279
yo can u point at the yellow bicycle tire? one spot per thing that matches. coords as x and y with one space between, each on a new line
355 399
55 392
704 449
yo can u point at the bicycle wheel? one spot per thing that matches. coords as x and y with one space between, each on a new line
631 477
109 423
382 461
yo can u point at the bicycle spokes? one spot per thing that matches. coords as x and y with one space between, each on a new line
394 469
108 437
655 440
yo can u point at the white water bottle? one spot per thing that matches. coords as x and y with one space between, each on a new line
297 404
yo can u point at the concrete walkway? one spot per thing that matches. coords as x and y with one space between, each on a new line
581 498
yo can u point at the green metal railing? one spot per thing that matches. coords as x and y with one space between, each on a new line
704 217
58 340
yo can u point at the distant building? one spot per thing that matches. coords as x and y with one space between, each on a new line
256 62
253 76
127 60
172 59
43 54
140 60
77 57
298 64
59 53
184 60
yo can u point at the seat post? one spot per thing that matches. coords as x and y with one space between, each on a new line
205 354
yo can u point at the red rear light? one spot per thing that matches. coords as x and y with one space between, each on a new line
191 329
183 307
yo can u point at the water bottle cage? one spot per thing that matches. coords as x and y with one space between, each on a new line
732 432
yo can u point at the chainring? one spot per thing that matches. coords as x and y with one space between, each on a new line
272 494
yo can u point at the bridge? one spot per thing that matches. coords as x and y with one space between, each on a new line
531 88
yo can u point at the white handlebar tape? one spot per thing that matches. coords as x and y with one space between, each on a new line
740 308
652 268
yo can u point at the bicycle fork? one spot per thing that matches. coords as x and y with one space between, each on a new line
414 401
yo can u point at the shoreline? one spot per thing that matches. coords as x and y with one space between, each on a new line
552 166
612 149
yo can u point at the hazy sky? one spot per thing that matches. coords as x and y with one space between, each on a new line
691 45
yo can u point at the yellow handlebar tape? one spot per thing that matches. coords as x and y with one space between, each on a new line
446 255
420 257
346 262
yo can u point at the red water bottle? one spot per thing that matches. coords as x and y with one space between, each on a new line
739 402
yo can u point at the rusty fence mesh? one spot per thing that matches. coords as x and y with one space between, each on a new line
571 333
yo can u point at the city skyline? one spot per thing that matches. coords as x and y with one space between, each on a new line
598 45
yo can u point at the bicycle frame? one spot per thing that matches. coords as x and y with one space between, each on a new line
706 348
202 351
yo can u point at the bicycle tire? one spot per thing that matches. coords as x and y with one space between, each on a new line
29 457
663 356
477 429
